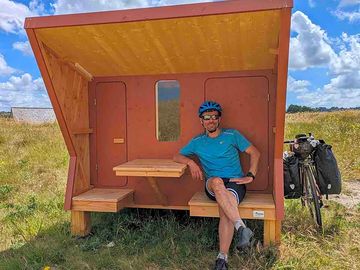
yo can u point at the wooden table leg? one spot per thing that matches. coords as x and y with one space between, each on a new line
161 197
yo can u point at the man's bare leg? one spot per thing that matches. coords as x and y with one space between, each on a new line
226 232
225 199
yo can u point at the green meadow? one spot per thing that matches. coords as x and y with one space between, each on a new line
35 230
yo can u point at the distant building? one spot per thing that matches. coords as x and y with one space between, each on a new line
33 115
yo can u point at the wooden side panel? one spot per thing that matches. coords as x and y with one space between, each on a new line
282 70
71 90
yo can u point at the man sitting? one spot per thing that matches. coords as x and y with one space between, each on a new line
217 150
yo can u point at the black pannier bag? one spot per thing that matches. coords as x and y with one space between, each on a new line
329 178
292 186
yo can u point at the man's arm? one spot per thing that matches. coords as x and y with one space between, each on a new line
195 170
254 158
254 161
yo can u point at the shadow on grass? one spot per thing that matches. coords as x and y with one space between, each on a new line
135 239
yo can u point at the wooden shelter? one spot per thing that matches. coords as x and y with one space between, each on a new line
103 70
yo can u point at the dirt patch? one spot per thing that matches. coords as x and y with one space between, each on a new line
350 196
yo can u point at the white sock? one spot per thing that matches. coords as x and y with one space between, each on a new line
223 256
239 223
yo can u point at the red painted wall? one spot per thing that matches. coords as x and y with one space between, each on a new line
248 99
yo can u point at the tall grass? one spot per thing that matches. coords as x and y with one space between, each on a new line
34 229
169 120
340 129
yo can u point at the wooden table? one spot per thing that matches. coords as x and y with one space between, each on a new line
151 168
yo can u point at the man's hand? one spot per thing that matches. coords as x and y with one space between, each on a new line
195 170
243 180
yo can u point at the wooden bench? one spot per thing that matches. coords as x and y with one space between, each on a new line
254 206
97 200
113 200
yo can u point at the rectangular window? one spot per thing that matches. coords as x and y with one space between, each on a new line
167 110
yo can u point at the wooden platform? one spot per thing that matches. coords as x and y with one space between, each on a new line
254 206
150 168
103 200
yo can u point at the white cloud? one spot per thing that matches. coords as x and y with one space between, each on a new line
347 15
24 47
70 6
23 91
311 47
12 15
297 86
37 7
344 3
311 3
23 83
5 70
176 2
348 59
348 10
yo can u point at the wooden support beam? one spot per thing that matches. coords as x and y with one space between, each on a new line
80 223
269 232
83 72
154 185
278 231
81 131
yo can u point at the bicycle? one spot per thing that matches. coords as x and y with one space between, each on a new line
304 147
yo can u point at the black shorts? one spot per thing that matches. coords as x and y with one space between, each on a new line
239 191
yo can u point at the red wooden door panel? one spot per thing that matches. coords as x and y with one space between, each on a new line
110 125
245 108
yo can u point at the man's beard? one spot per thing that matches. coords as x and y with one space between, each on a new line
213 130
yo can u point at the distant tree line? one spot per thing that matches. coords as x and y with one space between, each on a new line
297 108
5 114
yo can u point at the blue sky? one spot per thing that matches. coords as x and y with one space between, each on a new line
324 62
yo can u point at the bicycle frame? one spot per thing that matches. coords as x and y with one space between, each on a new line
311 196
310 192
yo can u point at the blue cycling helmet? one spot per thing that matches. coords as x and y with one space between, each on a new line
209 106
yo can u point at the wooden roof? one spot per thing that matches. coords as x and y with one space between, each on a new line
207 37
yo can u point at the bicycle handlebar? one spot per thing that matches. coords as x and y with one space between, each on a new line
301 138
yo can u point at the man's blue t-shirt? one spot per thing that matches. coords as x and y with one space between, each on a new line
219 156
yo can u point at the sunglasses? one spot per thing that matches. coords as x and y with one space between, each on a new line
208 117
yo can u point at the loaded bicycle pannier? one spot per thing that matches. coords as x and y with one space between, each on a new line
329 178
292 186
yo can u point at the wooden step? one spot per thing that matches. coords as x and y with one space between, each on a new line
103 200
254 206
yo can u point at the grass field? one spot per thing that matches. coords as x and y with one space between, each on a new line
34 228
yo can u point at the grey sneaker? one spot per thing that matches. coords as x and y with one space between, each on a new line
243 238
221 264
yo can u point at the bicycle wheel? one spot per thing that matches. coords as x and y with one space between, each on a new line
313 200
